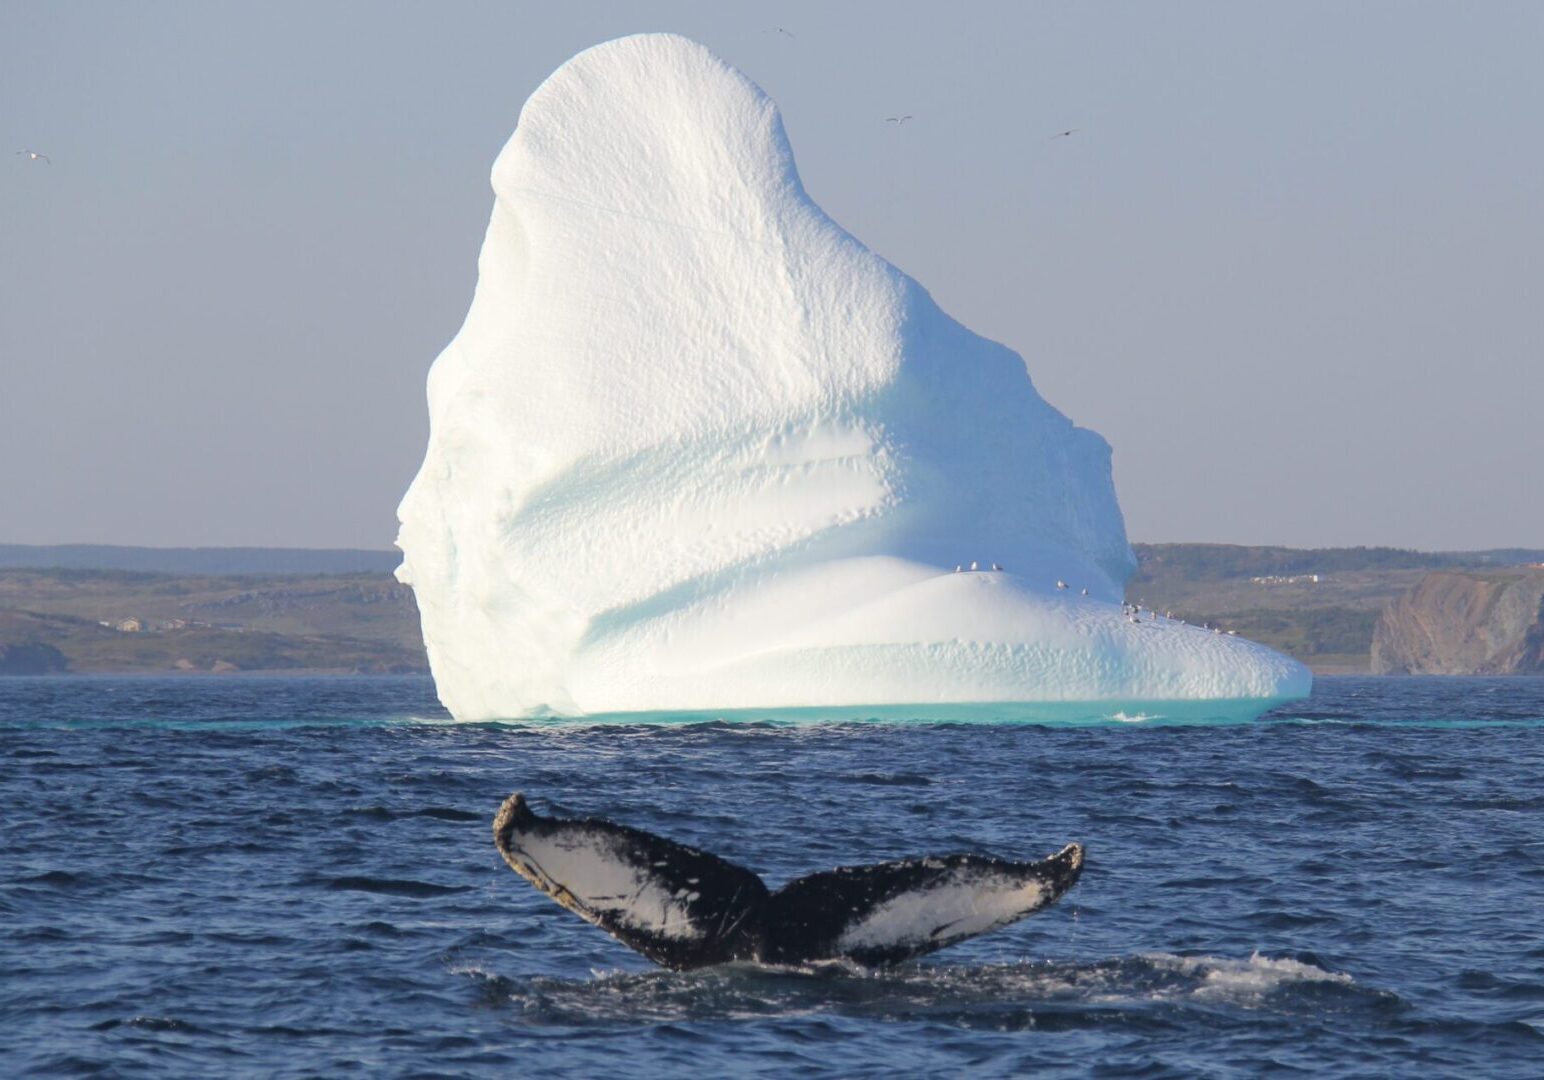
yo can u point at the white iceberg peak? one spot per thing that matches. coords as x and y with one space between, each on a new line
696 447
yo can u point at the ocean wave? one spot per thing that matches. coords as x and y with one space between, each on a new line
961 993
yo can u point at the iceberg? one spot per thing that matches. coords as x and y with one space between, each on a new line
698 449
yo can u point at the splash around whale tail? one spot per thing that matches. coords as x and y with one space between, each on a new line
686 908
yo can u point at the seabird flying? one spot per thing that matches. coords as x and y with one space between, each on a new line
1064 134
897 119
35 156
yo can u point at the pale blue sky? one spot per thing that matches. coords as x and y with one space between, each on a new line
1290 266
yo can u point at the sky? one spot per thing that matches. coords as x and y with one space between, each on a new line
1289 264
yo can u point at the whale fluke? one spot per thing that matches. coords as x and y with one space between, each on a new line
685 908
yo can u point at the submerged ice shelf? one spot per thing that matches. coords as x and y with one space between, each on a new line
696 448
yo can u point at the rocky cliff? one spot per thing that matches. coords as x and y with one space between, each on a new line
1463 623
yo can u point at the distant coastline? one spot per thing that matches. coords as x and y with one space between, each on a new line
197 560
104 609
110 609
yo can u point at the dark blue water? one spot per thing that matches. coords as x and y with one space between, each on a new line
280 878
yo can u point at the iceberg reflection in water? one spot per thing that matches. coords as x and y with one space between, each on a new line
1053 713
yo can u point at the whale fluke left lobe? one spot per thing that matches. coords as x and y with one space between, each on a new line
678 906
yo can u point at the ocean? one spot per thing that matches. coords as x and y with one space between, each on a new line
296 877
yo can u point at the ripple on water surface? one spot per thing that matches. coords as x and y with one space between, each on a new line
292 877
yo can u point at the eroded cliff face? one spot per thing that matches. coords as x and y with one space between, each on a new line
1464 623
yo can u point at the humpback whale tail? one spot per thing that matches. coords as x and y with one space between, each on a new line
685 908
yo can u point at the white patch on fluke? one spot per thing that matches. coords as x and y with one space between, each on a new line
586 865
961 905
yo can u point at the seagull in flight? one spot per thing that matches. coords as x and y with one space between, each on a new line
787 33
897 119
1064 134
35 156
